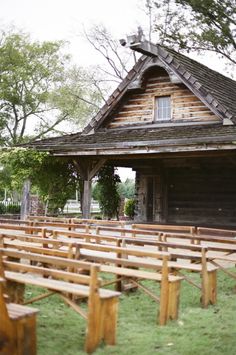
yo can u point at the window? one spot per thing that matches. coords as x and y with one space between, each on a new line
162 108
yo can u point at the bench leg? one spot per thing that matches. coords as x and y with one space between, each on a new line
164 300
212 286
94 324
25 333
109 320
209 288
173 302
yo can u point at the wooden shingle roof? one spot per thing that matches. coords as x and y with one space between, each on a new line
124 138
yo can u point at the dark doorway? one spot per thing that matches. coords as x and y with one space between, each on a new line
150 198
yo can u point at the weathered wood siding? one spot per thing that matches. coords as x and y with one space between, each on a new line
202 196
138 108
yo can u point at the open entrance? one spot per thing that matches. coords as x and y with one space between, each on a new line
150 199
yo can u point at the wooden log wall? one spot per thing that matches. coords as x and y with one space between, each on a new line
202 196
139 107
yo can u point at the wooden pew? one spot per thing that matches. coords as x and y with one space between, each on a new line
208 272
126 232
165 228
216 232
48 219
27 229
101 316
17 326
76 220
170 284
99 222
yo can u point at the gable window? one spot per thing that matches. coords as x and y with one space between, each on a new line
162 108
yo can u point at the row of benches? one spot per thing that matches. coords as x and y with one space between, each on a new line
120 258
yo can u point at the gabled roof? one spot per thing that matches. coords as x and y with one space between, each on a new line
214 89
217 91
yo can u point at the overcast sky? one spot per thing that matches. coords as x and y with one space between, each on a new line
65 19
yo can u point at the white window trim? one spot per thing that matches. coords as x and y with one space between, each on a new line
155 110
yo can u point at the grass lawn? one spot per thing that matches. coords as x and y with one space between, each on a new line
197 331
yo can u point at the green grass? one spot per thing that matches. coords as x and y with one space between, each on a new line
209 331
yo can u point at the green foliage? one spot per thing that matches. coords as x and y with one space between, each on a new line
198 25
129 208
107 194
39 90
29 72
11 208
127 189
77 99
55 179
2 208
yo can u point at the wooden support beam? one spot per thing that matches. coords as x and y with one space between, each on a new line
87 169
86 199
25 202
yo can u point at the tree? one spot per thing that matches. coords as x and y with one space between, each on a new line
117 59
53 178
202 25
107 191
78 99
38 89
127 189
29 71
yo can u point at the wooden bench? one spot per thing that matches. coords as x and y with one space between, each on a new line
99 222
165 228
26 229
126 232
101 316
76 220
17 326
208 272
169 284
48 219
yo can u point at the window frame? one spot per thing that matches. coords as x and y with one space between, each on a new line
156 119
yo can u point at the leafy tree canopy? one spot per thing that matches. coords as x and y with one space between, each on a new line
126 189
39 90
198 25
107 191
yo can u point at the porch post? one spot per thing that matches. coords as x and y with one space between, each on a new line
86 199
25 200
87 170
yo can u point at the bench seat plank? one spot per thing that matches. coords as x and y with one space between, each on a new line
17 311
56 285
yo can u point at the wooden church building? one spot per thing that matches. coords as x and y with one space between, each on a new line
173 121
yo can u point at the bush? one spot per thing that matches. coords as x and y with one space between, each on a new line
9 208
2 208
129 208
13 208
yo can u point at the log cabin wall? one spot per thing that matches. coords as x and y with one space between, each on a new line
202 196
199 193
138 108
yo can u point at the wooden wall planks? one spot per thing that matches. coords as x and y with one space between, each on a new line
139 107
